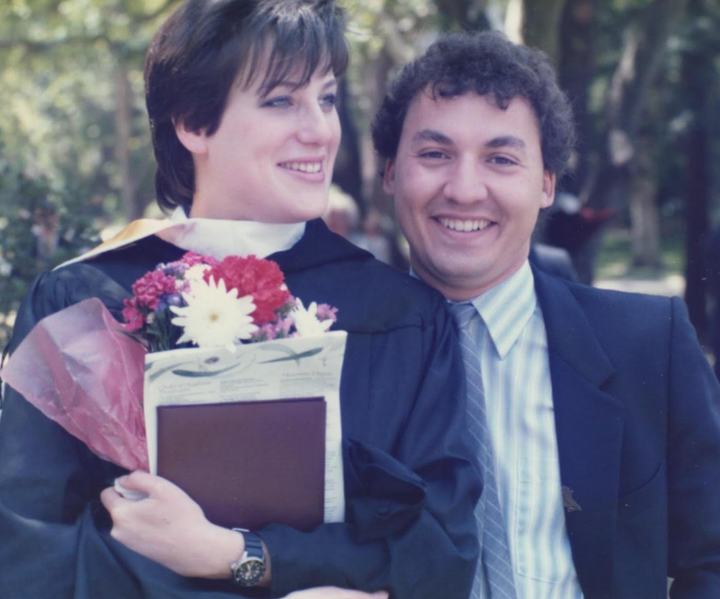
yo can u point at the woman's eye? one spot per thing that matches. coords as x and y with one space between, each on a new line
278 102
329 100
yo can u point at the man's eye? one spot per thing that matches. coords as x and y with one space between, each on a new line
278 102
433 154
502 160
329 100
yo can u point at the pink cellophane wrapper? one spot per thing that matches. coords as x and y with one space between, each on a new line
80 370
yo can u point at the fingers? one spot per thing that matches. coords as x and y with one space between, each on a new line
110 499
142 482
131 487
130 494
335 593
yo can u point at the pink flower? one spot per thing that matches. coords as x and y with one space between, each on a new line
192 259
151 287
326 312
133 318
278 329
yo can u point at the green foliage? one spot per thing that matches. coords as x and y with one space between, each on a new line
40 227
61 67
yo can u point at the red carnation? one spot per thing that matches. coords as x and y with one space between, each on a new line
151 287
132 316
262 279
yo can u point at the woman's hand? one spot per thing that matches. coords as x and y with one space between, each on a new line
335 593
170 528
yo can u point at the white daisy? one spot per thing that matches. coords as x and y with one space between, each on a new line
195 273
306 321
214 316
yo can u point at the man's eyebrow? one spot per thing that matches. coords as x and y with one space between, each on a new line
506 140
431 135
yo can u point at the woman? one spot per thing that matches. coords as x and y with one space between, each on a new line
241 99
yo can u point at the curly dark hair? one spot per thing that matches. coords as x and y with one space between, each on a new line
207 46
486 63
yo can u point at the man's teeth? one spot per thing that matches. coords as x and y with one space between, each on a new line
464 225
305 167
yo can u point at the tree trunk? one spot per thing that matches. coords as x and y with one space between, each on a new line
700 83
644 214
375 83
348 173
468 15
575 73
641 61
541 25
123 131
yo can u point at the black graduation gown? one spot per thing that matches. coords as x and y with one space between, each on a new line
410 487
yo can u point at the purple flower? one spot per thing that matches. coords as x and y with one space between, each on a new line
171 299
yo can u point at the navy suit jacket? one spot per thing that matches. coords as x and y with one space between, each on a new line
637 412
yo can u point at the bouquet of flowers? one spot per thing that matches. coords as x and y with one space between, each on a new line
83 369
212 303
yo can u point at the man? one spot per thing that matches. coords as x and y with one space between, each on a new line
602 413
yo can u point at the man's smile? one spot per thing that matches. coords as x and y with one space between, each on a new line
465 225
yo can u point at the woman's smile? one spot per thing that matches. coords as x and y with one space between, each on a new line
310 171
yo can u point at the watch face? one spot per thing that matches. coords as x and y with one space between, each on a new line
250 571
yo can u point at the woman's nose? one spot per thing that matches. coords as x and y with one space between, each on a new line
315 126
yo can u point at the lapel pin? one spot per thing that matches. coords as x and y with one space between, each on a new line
569 502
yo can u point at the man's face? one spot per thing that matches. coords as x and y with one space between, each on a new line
468 183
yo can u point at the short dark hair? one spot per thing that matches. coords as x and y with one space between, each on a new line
206 46
486 63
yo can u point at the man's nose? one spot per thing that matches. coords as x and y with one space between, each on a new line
315 127
466 182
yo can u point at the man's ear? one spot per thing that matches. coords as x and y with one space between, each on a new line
389 176
548 190
195 142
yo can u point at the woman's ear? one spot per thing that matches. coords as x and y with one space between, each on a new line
195 142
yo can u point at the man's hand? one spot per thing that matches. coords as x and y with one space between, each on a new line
335 593
170 528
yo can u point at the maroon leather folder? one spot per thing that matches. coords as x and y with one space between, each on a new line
249 463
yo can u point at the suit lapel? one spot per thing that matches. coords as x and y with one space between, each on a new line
589 425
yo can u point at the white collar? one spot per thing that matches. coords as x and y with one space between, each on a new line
507 307
221 238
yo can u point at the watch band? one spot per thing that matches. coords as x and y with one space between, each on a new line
250 568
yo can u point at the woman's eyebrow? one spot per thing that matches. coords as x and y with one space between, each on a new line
292 85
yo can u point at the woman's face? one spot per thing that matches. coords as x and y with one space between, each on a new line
271 159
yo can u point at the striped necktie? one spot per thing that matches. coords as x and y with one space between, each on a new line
494 575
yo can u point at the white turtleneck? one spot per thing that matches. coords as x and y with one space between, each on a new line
221 238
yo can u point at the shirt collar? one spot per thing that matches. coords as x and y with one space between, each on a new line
507 307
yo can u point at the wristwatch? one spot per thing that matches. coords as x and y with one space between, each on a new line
250 568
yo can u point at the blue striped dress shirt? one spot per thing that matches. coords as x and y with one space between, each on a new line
518 393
